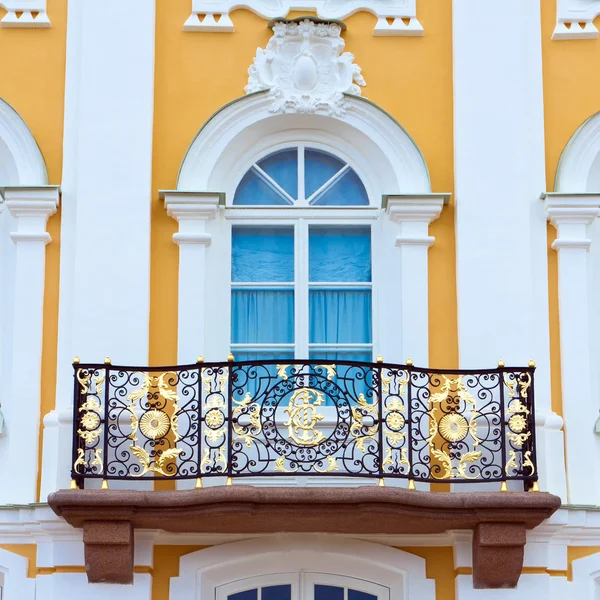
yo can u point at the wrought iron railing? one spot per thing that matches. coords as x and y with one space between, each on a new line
347 419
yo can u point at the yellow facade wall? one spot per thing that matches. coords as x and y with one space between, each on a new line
32 81
571 95
197 73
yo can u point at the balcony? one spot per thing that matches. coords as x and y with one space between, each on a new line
388 431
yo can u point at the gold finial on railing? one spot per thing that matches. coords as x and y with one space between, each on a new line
198 485
76 360
504 487
107 360
200 359
380 359
381 482
411 484
409 362
532 364
73 485
535 487
501 364
229 481
104 485
230 358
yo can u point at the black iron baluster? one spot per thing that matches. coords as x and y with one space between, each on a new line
533 479
76 477
380 408
229 367
501 373
200 407
410 423
106 412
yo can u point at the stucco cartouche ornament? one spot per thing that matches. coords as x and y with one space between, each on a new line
305 69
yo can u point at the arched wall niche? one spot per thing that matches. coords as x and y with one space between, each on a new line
205 570
21 161
372 142
578 169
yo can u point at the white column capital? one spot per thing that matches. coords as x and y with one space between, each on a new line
191 210
32 207
415 212
571 214
563 208
416 207
191 206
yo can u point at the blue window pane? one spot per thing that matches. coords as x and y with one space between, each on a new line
356 595
335 355
319 168
277 592
328 592
253 190
340 317
340 254
282 166
262 254
347 191
263 354
247 595
262 316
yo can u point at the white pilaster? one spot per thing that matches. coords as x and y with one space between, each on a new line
191 210
31 207
107 171
413 214
572 215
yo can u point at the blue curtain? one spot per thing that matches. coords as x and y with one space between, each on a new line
262 316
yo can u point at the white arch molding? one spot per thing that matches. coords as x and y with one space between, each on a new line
385 156
21 162
202 572
578 169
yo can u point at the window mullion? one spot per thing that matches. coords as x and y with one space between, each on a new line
301 180
302 289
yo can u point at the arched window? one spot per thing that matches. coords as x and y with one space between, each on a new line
301 176
304 288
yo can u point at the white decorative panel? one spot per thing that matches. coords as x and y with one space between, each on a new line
395 17
574 19
305 69
20 13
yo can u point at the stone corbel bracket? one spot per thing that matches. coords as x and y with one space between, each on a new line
394 17
499 520
24 13
574 19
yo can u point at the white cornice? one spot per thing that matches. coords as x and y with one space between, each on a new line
574 19
32 207
213 15
191 205
26 8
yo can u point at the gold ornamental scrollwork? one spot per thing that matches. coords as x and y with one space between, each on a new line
360 431
453 427
154 423
303 417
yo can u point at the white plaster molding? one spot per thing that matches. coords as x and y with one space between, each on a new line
574 19
572 214
30 207
381 151
191 211
20 13
200 573
21 162
413 214
305 70
577 163
213 15
16 585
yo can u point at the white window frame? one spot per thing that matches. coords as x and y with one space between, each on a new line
301 147
301 345
302 585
